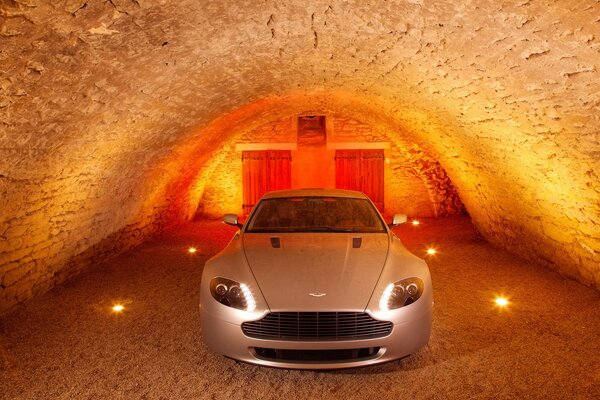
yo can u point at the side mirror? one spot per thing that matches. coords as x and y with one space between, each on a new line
398 219
231 219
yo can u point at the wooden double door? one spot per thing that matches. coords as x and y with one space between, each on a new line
361 170
264 171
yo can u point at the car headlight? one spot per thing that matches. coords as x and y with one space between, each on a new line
401 293
232 294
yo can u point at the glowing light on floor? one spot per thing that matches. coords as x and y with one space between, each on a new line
118 308
501 301
415 222
431 251
192 250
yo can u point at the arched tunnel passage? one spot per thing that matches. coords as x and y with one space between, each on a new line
118 118
128 110
195 175
513 221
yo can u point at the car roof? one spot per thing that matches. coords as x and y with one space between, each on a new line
314 192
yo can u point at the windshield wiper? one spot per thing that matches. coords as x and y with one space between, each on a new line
329 229
268 230
309 229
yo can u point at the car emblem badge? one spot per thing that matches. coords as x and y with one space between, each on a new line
317 294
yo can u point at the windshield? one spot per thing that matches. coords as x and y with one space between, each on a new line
315 214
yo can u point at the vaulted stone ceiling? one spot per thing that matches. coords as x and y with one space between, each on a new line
110 109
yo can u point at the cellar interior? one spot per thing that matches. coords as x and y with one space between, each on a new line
124 122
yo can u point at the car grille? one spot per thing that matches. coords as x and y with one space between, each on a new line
317 326
317 356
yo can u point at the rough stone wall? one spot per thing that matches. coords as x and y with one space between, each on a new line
40 264
222 176
405 189
106 108
52 229
444 196
406 160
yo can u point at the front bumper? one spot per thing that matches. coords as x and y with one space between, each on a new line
406 338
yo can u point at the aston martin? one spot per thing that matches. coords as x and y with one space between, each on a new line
315 279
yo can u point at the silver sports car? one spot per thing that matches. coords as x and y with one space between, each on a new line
315 279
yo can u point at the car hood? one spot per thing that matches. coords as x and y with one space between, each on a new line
312 272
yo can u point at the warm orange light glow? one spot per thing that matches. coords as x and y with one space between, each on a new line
415 222
501 301
192 250
118 308
431 251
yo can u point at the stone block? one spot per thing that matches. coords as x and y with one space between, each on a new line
558 233
4 245
14 255
14 275
16 231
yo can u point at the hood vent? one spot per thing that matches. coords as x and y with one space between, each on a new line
356 242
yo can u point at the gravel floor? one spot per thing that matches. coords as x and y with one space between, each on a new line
67 344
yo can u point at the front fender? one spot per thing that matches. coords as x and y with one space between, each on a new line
230 263
401 264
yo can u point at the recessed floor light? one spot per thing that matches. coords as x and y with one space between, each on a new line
118 308
501 301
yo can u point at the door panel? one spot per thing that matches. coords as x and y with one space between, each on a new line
279 170
347 169
254 168
264 171
361 170
371 171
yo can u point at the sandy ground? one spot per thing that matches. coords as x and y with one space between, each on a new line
67 344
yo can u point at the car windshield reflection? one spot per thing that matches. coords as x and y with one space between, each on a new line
315 214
